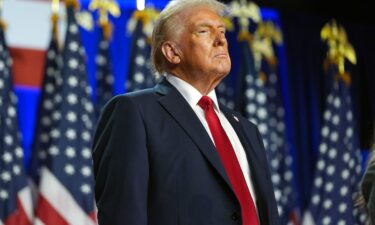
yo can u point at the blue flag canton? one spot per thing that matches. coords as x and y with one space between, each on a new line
69 156
12 176
338 169
51 82
141 75
104 76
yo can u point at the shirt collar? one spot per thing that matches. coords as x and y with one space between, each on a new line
190 93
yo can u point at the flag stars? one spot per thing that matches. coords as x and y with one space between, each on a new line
86 136
73 63
141 43
4 194
139 77
11 111
70 152
86 171
69 169
1 84
337 102
140 60
342 207
49 88
53 150
318 181
85 188
73 46
56 115
86 153
71 134
8 140
72 81
73 28
16 170
55 133
71 116
19 152
100 60
6 176
7 157
72 99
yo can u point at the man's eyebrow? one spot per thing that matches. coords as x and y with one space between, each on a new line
205 24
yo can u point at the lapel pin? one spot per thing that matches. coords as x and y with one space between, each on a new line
235 117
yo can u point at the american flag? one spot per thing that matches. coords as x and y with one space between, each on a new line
42 138
66 182
338 166
104 76
15 194
225 93
261 103
140 75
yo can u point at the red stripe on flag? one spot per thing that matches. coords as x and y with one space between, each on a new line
47 214
28 66
93 216
19 217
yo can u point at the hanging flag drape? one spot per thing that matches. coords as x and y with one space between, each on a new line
66 182
15 194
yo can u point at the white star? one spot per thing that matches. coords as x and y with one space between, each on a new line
69 169
329 187
4 194
42 155
72 81
342 207
48 104
327 115
261 98
345 174
100 60
141 43
56 115
72 99
11 111
315 199
7 157
71 116
50 88
71 134
16 170
140 60
318 181
86 171
55 133
70 152
139 77
46 121
19 152
1 84
251 108
73 28
6 176
73 63
337 102
86 153
326 219
85 188
249 78
53 150
73 46
89 108
51 54
2 66
8 140
86 136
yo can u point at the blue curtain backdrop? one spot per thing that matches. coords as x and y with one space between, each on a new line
301 75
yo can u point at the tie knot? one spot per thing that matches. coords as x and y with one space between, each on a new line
205 102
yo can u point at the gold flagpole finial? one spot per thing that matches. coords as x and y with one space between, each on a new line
105 7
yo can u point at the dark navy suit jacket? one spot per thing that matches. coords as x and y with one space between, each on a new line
155 164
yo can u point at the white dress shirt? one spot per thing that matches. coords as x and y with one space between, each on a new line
192 96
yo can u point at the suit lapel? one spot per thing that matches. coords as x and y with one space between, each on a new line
180 110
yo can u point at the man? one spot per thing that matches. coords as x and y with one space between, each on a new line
171 155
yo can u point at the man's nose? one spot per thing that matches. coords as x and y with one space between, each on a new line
220 39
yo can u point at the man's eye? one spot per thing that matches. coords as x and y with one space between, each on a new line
202 31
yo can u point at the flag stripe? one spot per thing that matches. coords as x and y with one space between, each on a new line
48 214
60 198
18 217
24 197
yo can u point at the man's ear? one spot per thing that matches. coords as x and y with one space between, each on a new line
171 52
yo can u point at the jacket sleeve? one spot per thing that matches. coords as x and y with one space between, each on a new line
368 190
121 164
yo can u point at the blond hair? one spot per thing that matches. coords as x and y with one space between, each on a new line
168 25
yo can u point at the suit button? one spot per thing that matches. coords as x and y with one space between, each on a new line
235 216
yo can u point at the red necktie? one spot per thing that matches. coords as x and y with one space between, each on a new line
230 162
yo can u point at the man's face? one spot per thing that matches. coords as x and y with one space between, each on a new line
203 44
